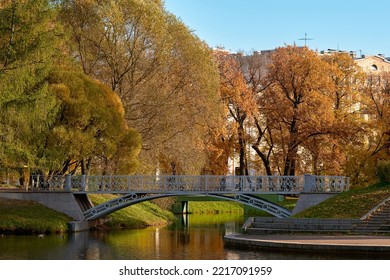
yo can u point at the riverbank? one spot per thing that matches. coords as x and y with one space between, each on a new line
28 217
139 215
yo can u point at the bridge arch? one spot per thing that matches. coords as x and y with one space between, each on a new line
124 201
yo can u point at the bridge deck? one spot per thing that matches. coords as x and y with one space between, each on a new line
182 184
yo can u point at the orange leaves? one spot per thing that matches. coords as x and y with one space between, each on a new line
234 90
296 98
301 111
297 73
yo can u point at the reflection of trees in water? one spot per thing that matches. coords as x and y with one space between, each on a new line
173 242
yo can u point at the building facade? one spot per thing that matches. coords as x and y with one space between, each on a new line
373 64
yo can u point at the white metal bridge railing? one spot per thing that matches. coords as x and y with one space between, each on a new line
187 184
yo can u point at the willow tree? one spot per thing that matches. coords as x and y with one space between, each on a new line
165 76
28 45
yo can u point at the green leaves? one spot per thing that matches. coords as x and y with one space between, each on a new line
52 116
27 48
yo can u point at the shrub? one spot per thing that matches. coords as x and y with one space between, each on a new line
383 171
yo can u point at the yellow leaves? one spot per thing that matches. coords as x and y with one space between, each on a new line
62 91
90 121
164 75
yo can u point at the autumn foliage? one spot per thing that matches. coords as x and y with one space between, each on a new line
301 112
126 87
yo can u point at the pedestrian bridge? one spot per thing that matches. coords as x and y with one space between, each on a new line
137 188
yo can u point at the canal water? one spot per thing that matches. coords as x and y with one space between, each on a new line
192 237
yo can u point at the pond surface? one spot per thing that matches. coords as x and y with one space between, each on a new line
193 237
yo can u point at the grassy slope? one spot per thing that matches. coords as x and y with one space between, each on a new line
30 217
136 216
215 207
349 205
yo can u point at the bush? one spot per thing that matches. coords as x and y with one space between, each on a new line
383 171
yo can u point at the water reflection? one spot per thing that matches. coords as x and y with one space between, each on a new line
194 237
191 238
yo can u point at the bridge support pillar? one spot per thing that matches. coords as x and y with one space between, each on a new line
310 183
184 207
83 183
68 182
77 226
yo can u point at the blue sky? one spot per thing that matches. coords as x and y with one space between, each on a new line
247 25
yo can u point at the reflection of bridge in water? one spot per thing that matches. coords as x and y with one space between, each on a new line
135 189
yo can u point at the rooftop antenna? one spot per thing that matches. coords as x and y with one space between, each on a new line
305 39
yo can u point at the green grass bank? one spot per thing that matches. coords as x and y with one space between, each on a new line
136 216
348 205
29 217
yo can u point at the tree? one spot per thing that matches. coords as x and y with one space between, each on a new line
254 70
238 99
375 114
348 129
28 48
347 77
377 93
295 103
164 75
89 126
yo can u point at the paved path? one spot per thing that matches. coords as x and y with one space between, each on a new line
312 242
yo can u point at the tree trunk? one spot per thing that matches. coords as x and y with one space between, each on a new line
290 163
85 166
292 151
243 168
265 160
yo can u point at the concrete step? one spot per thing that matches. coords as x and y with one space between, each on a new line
381 214
367 228
261 231
272 220
369 232
382 210
376 222
305 226
371 225
378 219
